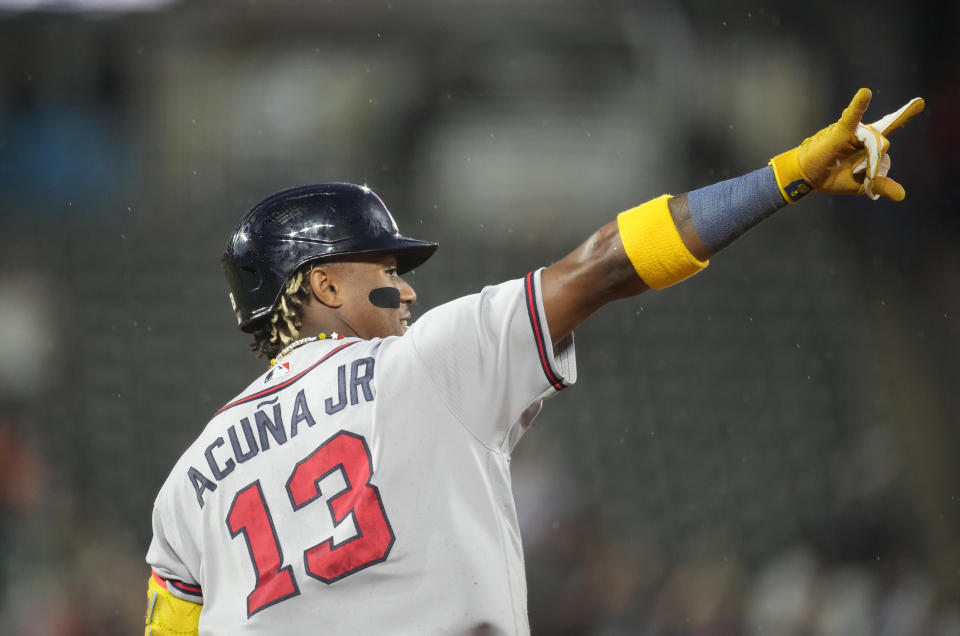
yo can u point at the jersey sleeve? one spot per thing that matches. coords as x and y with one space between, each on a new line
490 357
167 555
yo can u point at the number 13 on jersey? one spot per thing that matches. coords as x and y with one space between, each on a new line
250 516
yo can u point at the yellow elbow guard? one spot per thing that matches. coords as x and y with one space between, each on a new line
653 244
168 615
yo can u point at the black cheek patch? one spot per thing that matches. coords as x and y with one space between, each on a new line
386 297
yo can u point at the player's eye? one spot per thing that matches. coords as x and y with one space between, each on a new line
391 271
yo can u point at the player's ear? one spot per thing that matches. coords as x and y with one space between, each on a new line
325 285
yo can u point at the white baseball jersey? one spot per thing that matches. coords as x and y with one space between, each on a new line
363 486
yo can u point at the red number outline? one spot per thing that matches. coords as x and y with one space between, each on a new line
350 454
343 451
271 584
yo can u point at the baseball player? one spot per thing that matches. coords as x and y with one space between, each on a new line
361 485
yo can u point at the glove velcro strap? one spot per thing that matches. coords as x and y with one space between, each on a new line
168 615
793 184
653 244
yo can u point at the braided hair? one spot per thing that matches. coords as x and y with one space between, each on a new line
282 325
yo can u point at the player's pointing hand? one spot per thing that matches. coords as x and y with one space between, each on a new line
845 157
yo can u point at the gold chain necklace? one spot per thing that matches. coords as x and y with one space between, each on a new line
302 341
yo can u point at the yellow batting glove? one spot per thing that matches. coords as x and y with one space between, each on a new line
846 157
875 143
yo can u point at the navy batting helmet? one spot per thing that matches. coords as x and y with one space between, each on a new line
292 227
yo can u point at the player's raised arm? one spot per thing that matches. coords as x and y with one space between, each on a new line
668 239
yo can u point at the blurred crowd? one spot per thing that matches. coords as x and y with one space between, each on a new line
767 449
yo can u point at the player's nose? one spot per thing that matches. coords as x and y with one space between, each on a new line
407 294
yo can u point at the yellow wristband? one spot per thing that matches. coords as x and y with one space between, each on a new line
794 185
653 244
168 615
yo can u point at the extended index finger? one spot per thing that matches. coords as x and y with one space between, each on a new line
853 113
898 119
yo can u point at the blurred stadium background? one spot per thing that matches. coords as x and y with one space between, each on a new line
769 448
